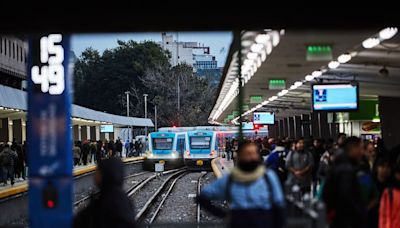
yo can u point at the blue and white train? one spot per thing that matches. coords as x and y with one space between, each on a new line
166 148
203 147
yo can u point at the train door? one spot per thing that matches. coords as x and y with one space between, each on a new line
181 144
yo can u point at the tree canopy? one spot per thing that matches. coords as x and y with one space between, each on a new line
101 81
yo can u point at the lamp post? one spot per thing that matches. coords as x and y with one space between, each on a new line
145 110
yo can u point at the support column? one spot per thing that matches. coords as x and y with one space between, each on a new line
389 118
98 133
23 130
10 130
76 132
324 126
306 125
4 130
93 135
291 127
297 127
272 130
315 127
281 131
17 129
84 135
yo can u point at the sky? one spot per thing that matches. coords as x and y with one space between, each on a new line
219 42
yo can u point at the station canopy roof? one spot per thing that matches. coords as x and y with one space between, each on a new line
288 56
12 100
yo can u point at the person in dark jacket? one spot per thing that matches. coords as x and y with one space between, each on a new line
85 151
7 160
111 207
342 191
118 147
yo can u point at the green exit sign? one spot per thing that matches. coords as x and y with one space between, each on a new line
235 113
230 117
277 84
319 52
255 99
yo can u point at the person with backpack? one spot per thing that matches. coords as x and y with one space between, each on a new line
254 194
389 216
8 158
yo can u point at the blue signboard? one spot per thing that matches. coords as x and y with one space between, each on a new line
263 118
49 132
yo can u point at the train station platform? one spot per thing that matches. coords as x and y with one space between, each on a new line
221 166
22 186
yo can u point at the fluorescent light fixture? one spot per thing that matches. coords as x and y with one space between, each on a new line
333 64
262 38
273 98
263 55
298 83
316 73
387 33
344 58
248 62
256 47
292 87
268 47
259 106
275 38
265 102
370 42
309 78
252 55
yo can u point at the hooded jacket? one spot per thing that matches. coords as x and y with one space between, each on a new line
112 207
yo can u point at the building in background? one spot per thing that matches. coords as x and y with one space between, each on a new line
204 64
13 54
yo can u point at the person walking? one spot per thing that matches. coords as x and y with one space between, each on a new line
99 149
118 147
85 151
254 194
228 149
111 207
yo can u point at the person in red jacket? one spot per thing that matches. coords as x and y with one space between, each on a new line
389 211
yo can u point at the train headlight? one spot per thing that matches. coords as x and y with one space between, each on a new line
173 154
212 153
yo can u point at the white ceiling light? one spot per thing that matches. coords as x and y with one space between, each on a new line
248 62
344 58
256 47
283 92
265 102
252 55
309 78
333 64
387 33
316 73
298 83
259 106
263 54
370 42
292 87
262 38
273 98
275 38
268 47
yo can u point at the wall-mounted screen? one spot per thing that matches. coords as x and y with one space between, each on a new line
334 97
264 118
106 128
247 125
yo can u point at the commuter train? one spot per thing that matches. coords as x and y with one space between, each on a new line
203 147
166 148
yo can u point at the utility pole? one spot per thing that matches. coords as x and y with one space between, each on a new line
127 113
145 110
155 118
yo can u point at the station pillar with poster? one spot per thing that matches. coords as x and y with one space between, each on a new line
49 132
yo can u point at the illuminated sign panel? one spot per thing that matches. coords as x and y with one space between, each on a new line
277 84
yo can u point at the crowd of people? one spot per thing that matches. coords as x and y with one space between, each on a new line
90 151
13 162
358 180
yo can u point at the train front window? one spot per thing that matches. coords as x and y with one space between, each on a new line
200 142
162 143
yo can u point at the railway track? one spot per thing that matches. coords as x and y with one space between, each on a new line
198 209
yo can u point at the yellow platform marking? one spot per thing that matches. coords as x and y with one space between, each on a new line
215 168
77 172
